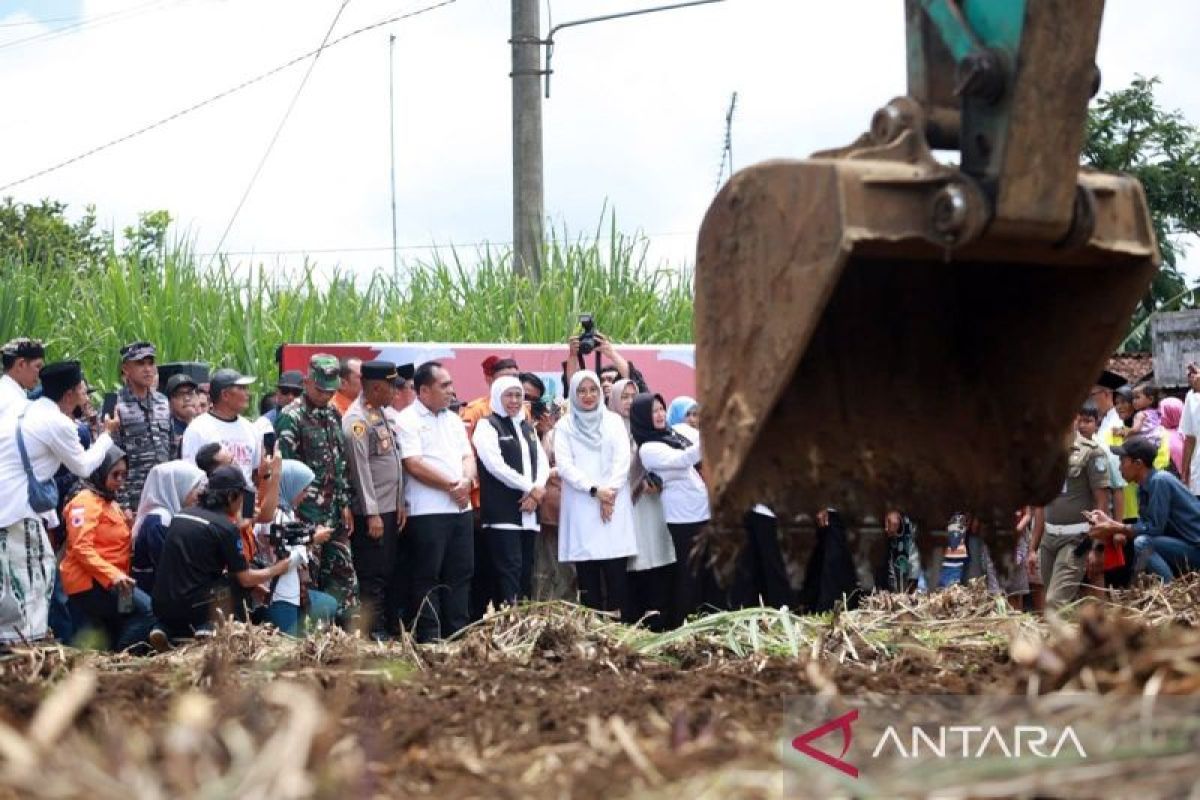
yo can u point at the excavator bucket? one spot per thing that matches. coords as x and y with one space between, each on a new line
847 359
876 329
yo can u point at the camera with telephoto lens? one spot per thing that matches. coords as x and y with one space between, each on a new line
286 535
587 339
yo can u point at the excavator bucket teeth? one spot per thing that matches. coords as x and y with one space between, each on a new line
845 358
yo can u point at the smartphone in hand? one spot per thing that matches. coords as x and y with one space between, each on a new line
109 405
268 443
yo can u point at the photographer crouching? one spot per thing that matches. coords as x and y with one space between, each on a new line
590 341
203 566
291 599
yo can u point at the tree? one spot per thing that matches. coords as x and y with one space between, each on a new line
1128 132
42 234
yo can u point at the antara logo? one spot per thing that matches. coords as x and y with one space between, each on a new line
947 741
842 723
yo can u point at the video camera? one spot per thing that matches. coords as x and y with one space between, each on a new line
285 535
587 339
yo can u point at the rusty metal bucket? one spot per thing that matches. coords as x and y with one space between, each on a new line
865 341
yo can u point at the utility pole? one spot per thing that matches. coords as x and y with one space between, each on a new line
527 138
392 140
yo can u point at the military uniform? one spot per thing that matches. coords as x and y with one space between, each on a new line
314 435
146 436
376 476
1062 554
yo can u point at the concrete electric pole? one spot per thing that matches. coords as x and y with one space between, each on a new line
527 138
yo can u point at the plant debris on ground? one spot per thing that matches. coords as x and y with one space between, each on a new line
545 700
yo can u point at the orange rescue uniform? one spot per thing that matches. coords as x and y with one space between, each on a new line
99 543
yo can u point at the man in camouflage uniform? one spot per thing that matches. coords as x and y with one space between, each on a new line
310 430
145 420
377 477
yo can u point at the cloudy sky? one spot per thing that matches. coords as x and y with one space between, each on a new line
635 122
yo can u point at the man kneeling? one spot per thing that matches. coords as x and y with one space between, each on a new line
203 567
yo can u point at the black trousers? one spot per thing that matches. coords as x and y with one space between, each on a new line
483 579
650 590
688 582
182 620
603 584
761 575
443 560
511 555
375 564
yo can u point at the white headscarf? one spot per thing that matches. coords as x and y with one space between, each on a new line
587 426
499 387
167 486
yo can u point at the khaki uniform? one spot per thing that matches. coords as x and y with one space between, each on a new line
374 460
1063 570
377 477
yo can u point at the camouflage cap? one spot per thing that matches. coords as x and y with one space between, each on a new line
323 369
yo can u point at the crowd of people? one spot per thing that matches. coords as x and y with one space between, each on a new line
366 495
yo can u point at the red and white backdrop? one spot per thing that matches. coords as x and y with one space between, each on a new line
670 370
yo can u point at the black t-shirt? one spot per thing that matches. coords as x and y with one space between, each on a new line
200 547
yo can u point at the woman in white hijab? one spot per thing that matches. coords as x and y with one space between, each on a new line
513 470
595 529
651 571
170 487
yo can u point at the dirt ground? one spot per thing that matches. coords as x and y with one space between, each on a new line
560 709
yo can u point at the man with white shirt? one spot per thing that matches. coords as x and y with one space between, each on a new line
440 466
46 433
1189 426
22 360
224 424
1102 396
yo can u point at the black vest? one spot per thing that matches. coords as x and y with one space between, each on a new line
498 504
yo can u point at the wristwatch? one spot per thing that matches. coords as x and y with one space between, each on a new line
592 491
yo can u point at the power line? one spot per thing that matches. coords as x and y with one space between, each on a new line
221 96
262 162
85 24
426 247
30 22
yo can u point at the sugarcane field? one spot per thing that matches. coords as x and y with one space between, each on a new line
393 405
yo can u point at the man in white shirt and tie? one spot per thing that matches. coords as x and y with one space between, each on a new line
45 431
441 468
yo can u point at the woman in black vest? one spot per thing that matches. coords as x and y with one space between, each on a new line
513 470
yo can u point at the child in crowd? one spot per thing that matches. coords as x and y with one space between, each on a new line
1147 421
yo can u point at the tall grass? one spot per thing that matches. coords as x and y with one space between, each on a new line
237 316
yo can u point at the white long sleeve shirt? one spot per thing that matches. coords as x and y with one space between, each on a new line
51 440
583 535
12 396
684 495
441 440
487 448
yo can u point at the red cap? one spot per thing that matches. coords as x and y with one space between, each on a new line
489 364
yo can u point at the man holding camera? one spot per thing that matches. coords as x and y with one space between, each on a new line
376 476
591 341
203 563
310 430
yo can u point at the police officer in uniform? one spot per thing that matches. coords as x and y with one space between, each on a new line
144 415
310 430
376 476
1060 549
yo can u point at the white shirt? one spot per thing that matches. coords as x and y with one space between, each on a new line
441 441
487 447
239 438
684 495
1111 420
12 396
1189 425
51 440
583 535
287 588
